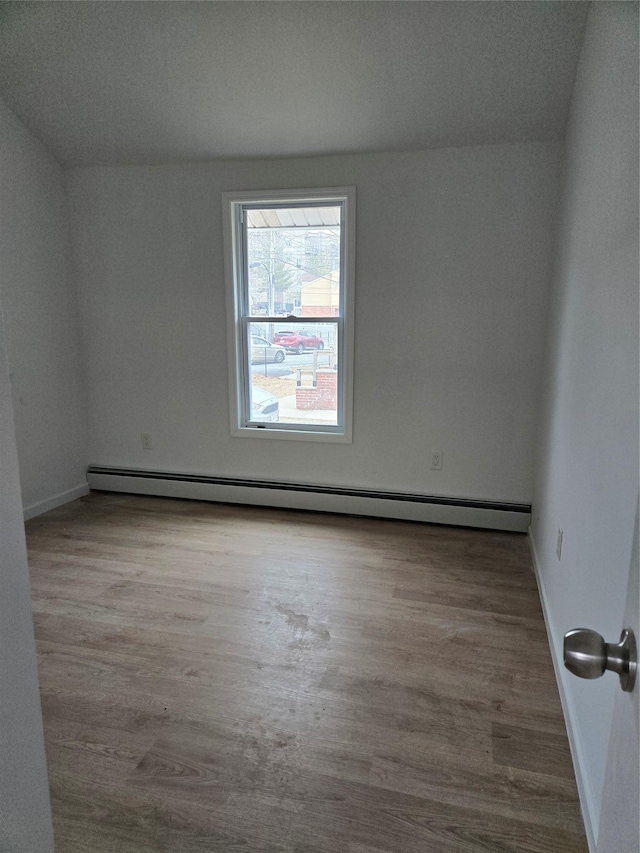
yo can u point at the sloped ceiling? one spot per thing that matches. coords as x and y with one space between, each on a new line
148 82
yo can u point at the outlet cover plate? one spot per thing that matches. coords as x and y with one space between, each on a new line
436 460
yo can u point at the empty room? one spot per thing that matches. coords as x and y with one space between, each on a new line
319 367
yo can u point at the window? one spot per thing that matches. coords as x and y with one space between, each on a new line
290 272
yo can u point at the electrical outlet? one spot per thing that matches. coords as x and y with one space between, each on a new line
559 543
147 444
436 460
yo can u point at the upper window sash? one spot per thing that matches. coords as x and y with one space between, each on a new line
243 250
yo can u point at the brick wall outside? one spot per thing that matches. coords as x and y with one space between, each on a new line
323 396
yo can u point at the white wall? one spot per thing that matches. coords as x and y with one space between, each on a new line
453 260
41 321
25 818
588 481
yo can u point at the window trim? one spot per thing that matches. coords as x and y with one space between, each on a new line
238 321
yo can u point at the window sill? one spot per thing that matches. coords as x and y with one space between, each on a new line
292 434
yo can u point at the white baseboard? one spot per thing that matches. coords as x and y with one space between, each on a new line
436 510
55 501
588 803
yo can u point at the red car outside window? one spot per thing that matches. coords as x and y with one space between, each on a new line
298 341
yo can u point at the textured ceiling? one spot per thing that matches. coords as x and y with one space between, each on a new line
149 82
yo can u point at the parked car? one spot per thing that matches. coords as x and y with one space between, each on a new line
264 406
298 341
262 350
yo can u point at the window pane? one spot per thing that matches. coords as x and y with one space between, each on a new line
293 257
294 373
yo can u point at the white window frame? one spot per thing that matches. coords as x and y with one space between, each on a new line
239 318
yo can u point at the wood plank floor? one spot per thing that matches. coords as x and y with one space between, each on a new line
219 678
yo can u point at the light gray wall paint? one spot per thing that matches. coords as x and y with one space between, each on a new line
41 318
588 480
452 270
25 818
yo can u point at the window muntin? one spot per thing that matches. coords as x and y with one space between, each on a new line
291 293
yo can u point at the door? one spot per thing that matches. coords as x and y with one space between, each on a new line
620 814
25 817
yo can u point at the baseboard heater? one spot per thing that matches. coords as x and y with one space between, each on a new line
496 515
